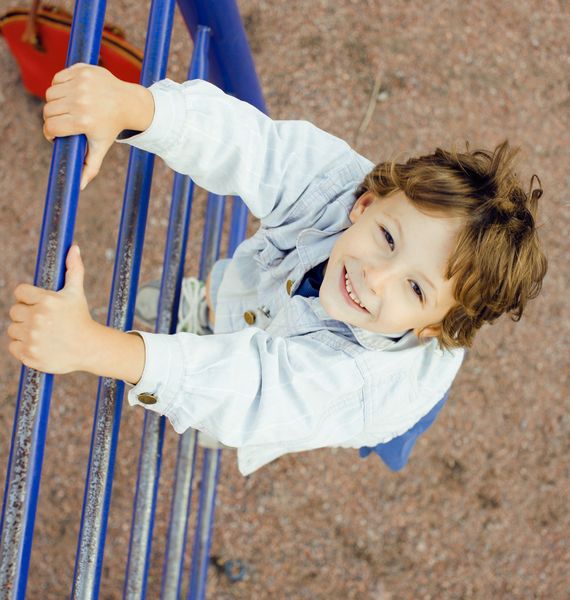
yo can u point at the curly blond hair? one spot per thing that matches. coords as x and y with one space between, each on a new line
497 263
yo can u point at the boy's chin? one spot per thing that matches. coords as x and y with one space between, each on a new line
347 317
334 311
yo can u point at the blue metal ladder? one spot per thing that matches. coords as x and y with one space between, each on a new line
221 54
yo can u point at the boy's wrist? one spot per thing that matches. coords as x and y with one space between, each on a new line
138 107
113 353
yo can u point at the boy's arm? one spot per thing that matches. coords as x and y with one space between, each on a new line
227 146
245 388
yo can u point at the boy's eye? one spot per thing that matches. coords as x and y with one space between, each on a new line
388 237
417 290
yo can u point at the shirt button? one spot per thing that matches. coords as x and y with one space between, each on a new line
147 398
249 317
289 286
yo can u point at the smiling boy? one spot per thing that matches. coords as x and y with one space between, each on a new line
388 283
343 320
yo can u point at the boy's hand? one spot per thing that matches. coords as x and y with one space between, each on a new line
52 331
91 100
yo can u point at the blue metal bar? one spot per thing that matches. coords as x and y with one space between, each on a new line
232 68
204 524
239 224
32 407
212 239
186 458
153 432
212 458
231 63
91 542
179 513
211 243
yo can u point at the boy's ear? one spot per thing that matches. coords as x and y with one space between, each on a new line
360 206
429 331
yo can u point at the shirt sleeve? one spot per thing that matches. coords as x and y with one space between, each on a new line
248 388
229 147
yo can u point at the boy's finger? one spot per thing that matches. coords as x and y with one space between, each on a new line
60 126
93 160
29 294
75 271
19 312
16 331
61 77
66 74
55 108
16 349
48 137
58 91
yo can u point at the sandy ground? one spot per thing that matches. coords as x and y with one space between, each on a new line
482 509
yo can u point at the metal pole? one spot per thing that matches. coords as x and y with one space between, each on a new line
32 407
185 460
231 62
239 224
210 253
212 458
204 525
232 68
91 542
212 233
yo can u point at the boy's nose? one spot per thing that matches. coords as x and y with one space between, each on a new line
378 277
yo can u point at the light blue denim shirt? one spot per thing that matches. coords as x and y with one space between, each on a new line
296 379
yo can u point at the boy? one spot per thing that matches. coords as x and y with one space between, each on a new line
342 321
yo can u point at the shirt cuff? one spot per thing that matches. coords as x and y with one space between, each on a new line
163 373
169 104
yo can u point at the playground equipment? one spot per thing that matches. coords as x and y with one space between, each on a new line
222 55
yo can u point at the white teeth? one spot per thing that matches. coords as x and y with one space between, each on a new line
350 292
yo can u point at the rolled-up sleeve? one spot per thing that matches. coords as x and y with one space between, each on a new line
248 388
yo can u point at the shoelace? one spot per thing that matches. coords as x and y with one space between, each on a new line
193 310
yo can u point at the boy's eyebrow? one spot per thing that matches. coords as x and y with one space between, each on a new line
427 279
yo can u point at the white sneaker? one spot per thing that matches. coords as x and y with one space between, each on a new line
192 309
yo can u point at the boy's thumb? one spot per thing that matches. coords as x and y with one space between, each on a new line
75 270
92 164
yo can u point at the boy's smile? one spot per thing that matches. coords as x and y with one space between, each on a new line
386 272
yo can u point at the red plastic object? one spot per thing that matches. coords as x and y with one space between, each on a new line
41 59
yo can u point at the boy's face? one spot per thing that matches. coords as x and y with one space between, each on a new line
395 257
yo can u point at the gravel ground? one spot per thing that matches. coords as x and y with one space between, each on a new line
481 510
